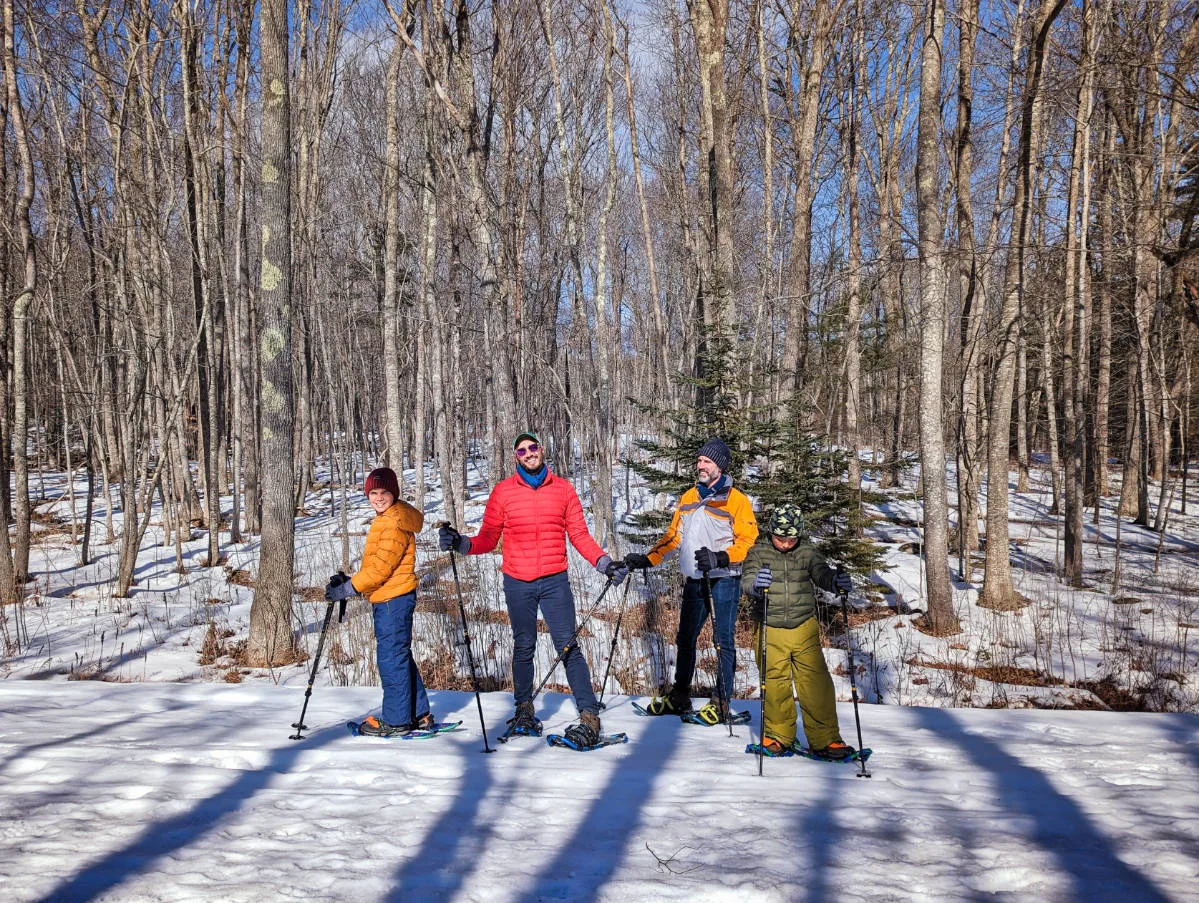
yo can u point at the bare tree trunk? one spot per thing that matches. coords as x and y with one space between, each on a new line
1021 337
853 284
197 189
496 284
933 286
1103 351
969 465
998 590
1075 364
270 640
14 570
888 116
710 23
1050 321
607 320
393 417
803 127
657 337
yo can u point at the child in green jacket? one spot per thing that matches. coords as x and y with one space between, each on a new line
780 574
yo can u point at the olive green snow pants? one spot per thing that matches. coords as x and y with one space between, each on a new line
794 657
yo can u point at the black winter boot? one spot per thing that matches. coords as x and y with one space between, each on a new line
676 702
525 721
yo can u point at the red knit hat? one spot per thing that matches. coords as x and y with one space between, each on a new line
382 478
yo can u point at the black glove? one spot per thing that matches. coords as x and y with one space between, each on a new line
615 571
842 582
449 538
707 560
340 587
635 561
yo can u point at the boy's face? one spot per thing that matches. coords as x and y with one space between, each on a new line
784 543
380 500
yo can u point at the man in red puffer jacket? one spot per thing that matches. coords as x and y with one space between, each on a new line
535 511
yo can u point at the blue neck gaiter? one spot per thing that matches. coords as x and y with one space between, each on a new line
534 479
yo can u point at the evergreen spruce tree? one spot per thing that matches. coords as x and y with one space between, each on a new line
804 468
774 460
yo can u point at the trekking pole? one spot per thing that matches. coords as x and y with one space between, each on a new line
716 645
316 660
762 678
612 651
470 655
853 683
571 642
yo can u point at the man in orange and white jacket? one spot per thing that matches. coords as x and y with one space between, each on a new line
713 529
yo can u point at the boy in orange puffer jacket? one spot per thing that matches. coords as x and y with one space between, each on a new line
387 578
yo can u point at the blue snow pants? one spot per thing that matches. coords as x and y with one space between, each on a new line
404 697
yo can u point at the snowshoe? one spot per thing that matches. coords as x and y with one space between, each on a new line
432 730
838 753
673 703
584 733
373 727
601 741
425 722
716 713
771 748
523 723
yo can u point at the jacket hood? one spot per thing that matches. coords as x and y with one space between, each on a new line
409 518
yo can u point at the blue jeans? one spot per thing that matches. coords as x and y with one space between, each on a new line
404 697
553 595
694 612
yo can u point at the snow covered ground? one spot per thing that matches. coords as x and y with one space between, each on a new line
182 792
140 761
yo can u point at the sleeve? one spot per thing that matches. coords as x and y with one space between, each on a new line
749 570
386 554
745 528
576 529
493 524
821 574
669 541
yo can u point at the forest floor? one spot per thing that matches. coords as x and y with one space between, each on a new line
1131 646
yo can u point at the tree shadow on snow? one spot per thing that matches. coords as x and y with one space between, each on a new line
580 869
161 839
454 846
1088 858
819 828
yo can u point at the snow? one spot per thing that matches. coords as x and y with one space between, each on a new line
133 769
181 792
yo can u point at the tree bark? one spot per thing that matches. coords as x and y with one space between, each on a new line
270 641
1075 363
933 285
998 590
14 570
969 465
